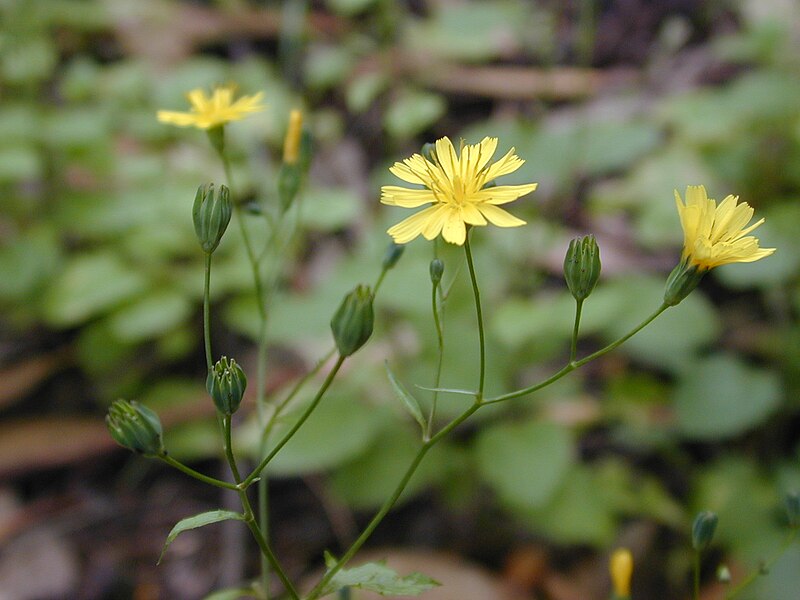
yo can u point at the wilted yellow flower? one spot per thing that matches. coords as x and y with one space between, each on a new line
717 235
621 569
455 186
217 110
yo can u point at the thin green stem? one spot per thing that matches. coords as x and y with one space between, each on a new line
207 312
572 365
479 314
226 428
196 474
390 501
573 351
764 568
696 575
293 392
307 413
435 306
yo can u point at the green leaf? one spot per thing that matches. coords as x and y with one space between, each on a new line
89 285
201 520
721 397
379 578
525 463
339 430
151 316
412 113
409 401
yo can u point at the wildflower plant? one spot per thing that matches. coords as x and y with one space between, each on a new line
458 190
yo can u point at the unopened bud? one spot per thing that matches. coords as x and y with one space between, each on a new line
226 384
703 528
135 427
582 266
211 213
353 322
680 283
436 270
296 158
621 569
291 143
393 253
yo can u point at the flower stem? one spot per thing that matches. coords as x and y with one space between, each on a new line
574 364
765 567
390 501
207 312
479 314
435 305
196 474
307 413
696 575
573 351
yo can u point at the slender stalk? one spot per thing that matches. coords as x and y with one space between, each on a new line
207 312
574 364
479 314
764 567
696 573
196 474
435 305
573 350
293 392
390 501
307 413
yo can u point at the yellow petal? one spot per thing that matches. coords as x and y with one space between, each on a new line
502 194
454 230
499 217
508 164
399 196
410 228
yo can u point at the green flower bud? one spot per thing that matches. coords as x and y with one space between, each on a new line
793 509
352 324
582 266
289 180
436 270
393 253
226 384
705 523
680 283
211 214
135 427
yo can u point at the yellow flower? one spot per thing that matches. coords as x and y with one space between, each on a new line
717 235
621 568
455 188
211 112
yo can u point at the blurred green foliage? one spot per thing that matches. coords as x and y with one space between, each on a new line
97 241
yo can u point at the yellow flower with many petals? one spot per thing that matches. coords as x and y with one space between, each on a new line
218 109
455 186
717 235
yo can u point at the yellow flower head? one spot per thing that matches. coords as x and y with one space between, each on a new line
717 235
455 188
217 110
621 569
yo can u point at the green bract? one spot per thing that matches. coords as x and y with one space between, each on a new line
352 324
226 384
211 214
582 266
135 427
